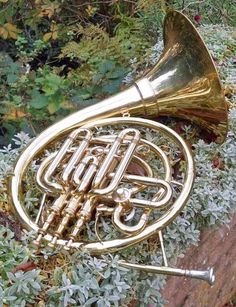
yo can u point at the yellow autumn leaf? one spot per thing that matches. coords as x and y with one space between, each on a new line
91 10
3 1
49 10
20 114
3 33
12 34
51 35
47 36
54 29
52 108
54 35
14 114
8 30
10 27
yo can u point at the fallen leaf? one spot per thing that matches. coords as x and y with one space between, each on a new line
229 90
28 266
218 163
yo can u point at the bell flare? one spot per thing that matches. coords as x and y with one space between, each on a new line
185 80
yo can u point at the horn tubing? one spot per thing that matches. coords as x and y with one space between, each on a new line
116 244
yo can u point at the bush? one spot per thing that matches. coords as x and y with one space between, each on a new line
59 56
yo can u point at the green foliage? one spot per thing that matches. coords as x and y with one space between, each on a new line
20 289
53 52
28 50
47 75
27 98
11 252
82 284
211 11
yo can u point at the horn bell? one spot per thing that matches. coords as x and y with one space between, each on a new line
185 79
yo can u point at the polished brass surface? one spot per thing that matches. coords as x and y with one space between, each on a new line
98 162
185 80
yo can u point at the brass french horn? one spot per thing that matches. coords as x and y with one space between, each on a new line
110 161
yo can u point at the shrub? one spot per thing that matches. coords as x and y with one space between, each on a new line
59 56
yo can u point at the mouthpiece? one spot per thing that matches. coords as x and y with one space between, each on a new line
207 276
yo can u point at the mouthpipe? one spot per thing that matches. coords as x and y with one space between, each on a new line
207 275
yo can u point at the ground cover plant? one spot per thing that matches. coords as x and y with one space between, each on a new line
52 63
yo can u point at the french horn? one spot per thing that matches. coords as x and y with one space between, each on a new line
111 162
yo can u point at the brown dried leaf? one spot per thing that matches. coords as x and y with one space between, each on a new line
218 163
28 266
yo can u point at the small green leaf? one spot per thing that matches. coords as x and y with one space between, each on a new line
38 100
52 84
